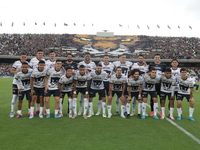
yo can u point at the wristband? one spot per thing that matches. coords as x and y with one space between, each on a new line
74 92
139 95
86 92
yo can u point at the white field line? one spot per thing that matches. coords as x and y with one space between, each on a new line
182 129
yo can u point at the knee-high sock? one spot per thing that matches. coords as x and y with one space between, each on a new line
139 107
191 110
151 104
117 104
99 106
109 109
155 107
85 106
134 105
81 102
74 105
128 108
60 105
122 109
144 109
171 111
104 107
90 108
70 105
13 103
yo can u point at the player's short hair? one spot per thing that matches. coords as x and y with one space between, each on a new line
174 60
134 71
99 65
183 69
106 55
23 53
67 68
81 66
123 54
156 55
41 62
58 60
87 53
52 51
24 63
141 55
152 69
68 54
168 70
118 67
39 50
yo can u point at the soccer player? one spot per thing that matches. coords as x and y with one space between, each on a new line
160 67
108 67
97 86
23 85
192 77
34 63
168 84
37 87
144 68
126 66
81 85
117 85
65 87
89 66
16 67
149 87
51 62
51 87
185 90
135 83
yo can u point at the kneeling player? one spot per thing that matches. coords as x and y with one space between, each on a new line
81 85
117 86
149 88
23 84
185 90
135 83
51 87
65 87
168 84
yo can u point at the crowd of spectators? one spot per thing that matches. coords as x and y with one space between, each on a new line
5 69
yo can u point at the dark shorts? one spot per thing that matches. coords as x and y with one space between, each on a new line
152 93
55 93
181 96
39 91
69 94
106 85
135 94
80 90
14 89
23 93
93 92
163 95
118 93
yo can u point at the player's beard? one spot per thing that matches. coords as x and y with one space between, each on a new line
69 60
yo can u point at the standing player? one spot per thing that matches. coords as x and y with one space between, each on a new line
23 85
160 67
149 87
135 83
16 67
117 85
168 84
143 67
81 85
97 86
37 87
108 67
51 87
51 62
34 63
65 87
89 66
126 66
185 90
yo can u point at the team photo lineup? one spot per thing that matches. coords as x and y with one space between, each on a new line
124 83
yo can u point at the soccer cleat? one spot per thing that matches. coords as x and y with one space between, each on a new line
109 115
163 117
84 116
152 113
31 116
56 116
80 112
171 117
60 115
45 112
19 116
179 118
122 115
128 116
12 114
90 115
48 116
143 117
70 115
104 115
40 116
132 114
75 115
125 113
97 114
37 112
138 116
117 113
160 113
155 117
191 119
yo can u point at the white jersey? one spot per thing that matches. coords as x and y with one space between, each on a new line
117 83
97 80
184 85
193 79
39 77
67 83
89 66
176 73
168 84
108 69
54 77
17 65
23 80
50 64
149 83
81 80
34 62
125 66
135 84
143 68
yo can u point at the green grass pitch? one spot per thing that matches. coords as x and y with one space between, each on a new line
95 133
